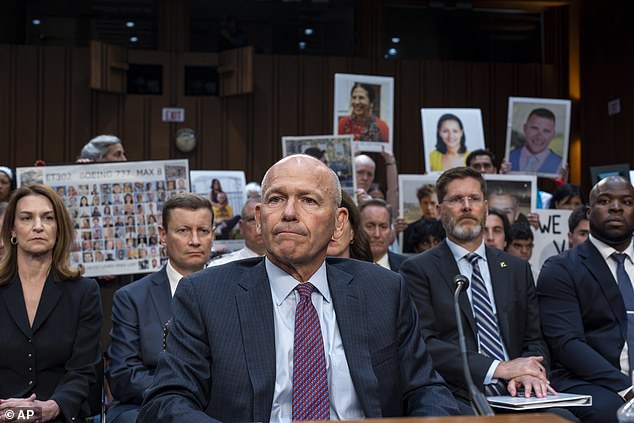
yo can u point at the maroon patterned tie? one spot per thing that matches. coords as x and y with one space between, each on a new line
310 379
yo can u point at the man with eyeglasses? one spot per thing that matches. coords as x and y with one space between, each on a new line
499 310
253 242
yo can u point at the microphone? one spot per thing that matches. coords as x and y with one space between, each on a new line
479 402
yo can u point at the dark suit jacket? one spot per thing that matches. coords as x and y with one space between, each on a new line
220 360
583 318
56 357
429 278
550 165
395 260
140 311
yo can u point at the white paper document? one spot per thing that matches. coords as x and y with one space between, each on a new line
533 403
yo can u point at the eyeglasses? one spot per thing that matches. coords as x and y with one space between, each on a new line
459 200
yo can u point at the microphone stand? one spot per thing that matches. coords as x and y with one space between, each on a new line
479 402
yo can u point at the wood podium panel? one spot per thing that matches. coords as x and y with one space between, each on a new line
501 418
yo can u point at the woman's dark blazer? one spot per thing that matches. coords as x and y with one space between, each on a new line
57 356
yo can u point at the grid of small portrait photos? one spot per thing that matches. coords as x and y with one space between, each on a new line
117 223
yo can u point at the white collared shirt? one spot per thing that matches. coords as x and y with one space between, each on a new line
240 254
384 262
606 251
173 276
466 269
526 155
344 403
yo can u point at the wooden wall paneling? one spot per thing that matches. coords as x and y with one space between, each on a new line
155 140
265 127
333 65
210 140
455 82
361 66
135 129
107 115
313 88
551 81
527 80
288 106
479 97
237 132
80 128
55 143
27 107
433 84
502 87
408 144
7 112
194 107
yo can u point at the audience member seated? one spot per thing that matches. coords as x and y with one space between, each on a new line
427 201
142 309
251 339
496 229
50 316
586 301
3 209
578 226
354 242
103 148
499 309
567 197
521 241
376 220
426 234
253 241
7 183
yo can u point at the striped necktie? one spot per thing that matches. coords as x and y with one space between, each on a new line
625 286
489 338
310 398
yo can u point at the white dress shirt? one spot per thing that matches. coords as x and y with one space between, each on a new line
173 276
537 160
344 403
240 254
384 262
466 269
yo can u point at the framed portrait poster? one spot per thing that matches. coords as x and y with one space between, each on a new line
512 194
364 108
449 135
116 209
410 208
334 150
538 135
225 190
599 172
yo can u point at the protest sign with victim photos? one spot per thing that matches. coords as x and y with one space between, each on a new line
116 210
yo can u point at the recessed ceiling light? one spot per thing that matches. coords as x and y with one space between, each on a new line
130 24
308 31
396 40
134 39
392 51
36 21
302 45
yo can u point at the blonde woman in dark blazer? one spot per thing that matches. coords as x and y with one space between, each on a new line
50 316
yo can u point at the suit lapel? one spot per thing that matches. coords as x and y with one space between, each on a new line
161 295
14 303
598 268
350 309
255 312
50 297
447 269
502 290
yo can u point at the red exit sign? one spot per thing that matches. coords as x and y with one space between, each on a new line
173 114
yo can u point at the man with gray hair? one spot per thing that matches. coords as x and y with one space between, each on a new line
103 148
253 242
295 335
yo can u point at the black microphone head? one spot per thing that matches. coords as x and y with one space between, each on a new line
461 280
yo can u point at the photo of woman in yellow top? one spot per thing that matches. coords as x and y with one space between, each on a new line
451 149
